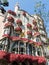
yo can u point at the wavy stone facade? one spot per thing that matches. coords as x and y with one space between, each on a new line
22 37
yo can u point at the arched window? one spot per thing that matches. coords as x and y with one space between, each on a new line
14 48
29 49
7 31
39 51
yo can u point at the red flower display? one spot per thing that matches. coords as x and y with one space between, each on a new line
29 33
29 25
30 41
21 58
19 21
10 19
24 39
18 29
6 35
24 13
9 24
14 38
41 60
34 22
39 43
35 28
13 57
12 12
2 54
36 34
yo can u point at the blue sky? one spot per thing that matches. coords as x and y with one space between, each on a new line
28 5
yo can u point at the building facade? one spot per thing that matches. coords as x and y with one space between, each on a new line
22 37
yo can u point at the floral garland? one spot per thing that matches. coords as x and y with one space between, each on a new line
10 19
12 12
10 57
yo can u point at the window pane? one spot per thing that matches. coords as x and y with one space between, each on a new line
30 49
21 44
27 49
1 47
22 50
7 31
16 50
17 34
13 50
37 39
34 50
39 51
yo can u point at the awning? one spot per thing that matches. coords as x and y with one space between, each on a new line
10 19
12 12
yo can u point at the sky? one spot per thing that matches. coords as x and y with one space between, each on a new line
28 5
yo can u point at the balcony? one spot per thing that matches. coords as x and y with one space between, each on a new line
18 30
12 12
29 26
29 33
8 24
36 34
35 28
34 22
20 55
10 19
24 14
19 22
